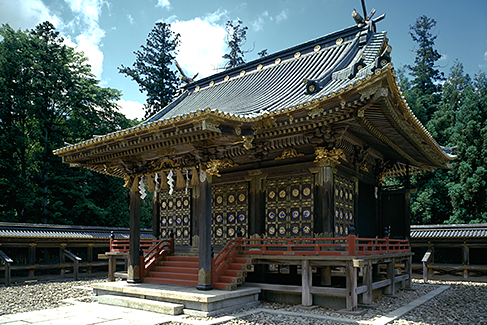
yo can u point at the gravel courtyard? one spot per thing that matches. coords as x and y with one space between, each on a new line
462 303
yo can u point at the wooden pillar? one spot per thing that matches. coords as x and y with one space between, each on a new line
391 275
32 259
133 271
326 276
204 273
306 282
409 272
323 199
89 256
256 202
367 280
352 300
156 223
465 259
195 208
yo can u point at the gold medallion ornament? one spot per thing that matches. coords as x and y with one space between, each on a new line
272 194
231 198
295 192
241 197
282 194
219 199
307 191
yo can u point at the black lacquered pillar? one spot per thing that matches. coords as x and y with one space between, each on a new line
204 216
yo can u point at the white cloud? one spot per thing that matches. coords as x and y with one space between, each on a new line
130 19
202 44
131 109
484 65
87 13
281 16
258 24
163 4
25 14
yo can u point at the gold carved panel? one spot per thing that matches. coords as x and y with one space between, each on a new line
175 215
289 207
230 212
344 204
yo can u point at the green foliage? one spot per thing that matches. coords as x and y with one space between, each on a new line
152 68
235 39
48 96
423 94
468 177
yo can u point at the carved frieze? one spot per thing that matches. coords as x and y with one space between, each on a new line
329 157
289 153
214 166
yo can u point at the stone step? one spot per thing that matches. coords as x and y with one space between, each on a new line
170 269
171 281
142 304
178 276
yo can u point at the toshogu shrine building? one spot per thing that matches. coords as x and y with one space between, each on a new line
292 146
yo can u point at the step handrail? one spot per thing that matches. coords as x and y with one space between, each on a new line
148 261
75 260
7 261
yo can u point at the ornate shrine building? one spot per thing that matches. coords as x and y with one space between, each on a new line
283 158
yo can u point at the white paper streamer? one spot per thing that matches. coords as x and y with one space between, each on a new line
170 182
156 180
187 181
142 192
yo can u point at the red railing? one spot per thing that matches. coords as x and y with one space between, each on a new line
339 246
153 250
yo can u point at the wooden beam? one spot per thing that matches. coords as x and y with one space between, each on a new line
134 261
306 277
352 300
204 273
367 298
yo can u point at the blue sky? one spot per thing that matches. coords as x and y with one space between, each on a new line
109 31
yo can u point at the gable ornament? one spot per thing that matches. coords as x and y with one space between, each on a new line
329 157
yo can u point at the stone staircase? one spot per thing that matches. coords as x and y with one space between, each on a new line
183 270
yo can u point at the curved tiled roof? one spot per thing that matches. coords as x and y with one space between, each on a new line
277 82
43 231
460 231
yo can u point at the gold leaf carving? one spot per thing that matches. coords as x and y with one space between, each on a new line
166 152
289 153
215 165
329 157
247 141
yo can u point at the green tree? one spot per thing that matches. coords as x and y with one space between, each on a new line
236 38
432 203
48 97
468 177
424 94
152 68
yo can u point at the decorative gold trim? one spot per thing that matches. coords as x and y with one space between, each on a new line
277 61
329 157
297 55
259 67
242 73
211 83
317 48
339 41
215 165
247 141
289 154
226 78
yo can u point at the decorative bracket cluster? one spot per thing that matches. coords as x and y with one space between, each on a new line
329 157
214 166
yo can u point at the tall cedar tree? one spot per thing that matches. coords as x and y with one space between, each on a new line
236 38
468 177
49 96
432 203
424 95
152 68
